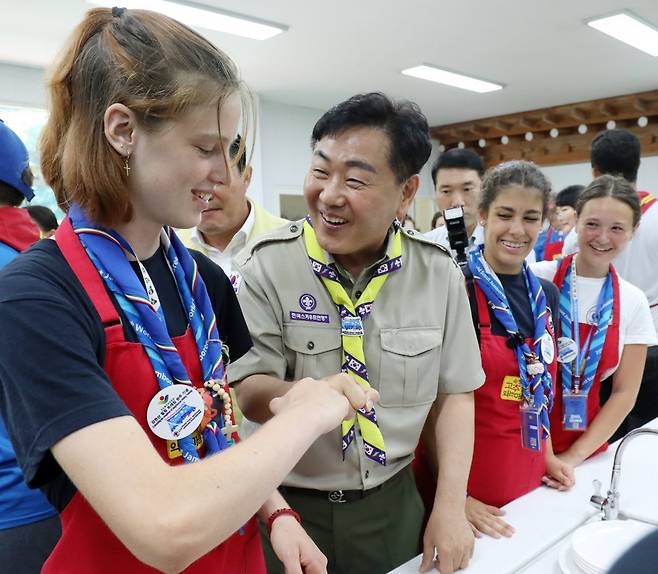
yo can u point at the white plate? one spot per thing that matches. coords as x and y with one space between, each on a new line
599 544
566 562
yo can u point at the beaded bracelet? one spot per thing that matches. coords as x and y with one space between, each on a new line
281 512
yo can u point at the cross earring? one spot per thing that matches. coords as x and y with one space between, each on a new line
126 167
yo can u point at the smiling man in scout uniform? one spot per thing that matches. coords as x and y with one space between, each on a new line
347 289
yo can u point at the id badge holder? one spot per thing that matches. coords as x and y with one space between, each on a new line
574 417
530 427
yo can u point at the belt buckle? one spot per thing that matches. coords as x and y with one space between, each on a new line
337 497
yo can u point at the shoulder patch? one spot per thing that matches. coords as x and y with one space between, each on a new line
291 231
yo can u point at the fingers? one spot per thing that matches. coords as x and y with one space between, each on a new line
290 562
428 556
494 510
493 526
372 397
555 483
276 405
318 566
485 519
445 563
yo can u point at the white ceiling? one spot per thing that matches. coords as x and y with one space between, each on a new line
539 49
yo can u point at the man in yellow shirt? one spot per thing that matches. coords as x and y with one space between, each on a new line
231 219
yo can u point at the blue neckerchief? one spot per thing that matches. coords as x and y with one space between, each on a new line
578 376
107 250
537 389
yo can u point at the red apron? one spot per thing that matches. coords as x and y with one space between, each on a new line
502 469
554 245
646 200
563 439
87 544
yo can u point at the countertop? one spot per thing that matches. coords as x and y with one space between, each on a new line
545 518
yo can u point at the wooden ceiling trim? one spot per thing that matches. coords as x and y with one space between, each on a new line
556 136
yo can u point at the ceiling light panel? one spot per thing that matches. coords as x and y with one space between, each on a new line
447 78
629 29
201 16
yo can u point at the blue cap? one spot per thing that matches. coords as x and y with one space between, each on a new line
14 160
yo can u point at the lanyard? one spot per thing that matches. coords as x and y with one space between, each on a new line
107 250
579 376
536 383
352 314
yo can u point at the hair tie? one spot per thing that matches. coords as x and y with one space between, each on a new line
118 12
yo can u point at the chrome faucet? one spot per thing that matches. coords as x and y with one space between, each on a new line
610 504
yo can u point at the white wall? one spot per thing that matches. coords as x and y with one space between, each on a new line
285 135
581 173
22 86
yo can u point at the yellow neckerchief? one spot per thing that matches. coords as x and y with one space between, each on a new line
353 356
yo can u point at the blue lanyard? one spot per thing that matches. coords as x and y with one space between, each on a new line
537 388
107 250
580 377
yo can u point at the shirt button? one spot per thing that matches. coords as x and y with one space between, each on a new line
310 345
367 473
358 294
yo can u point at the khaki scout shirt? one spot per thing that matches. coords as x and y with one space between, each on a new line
419 341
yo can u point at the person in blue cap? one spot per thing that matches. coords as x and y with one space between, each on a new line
29 526
17 231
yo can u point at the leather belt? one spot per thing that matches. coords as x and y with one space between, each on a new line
340 496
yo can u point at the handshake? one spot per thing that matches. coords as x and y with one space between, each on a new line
326 402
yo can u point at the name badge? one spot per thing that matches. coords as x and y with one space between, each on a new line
574 416
174 451
511 389
175 412
351 326
547 348
566 350
530 427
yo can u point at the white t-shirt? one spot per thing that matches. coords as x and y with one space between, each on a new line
635 324
638 263
440 236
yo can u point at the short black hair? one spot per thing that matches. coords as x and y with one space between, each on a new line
616 152
460 159
568 197
43 217
9 195
234 150
402 121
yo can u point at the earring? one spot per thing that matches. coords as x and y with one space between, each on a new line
126 167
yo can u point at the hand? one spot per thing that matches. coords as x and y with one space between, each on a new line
295 549
358 396
559 472
319 404
327 401
485 519
449 533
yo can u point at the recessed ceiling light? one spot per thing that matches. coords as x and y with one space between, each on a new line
201 16
439 76
629 29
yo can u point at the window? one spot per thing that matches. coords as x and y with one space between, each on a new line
27 123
